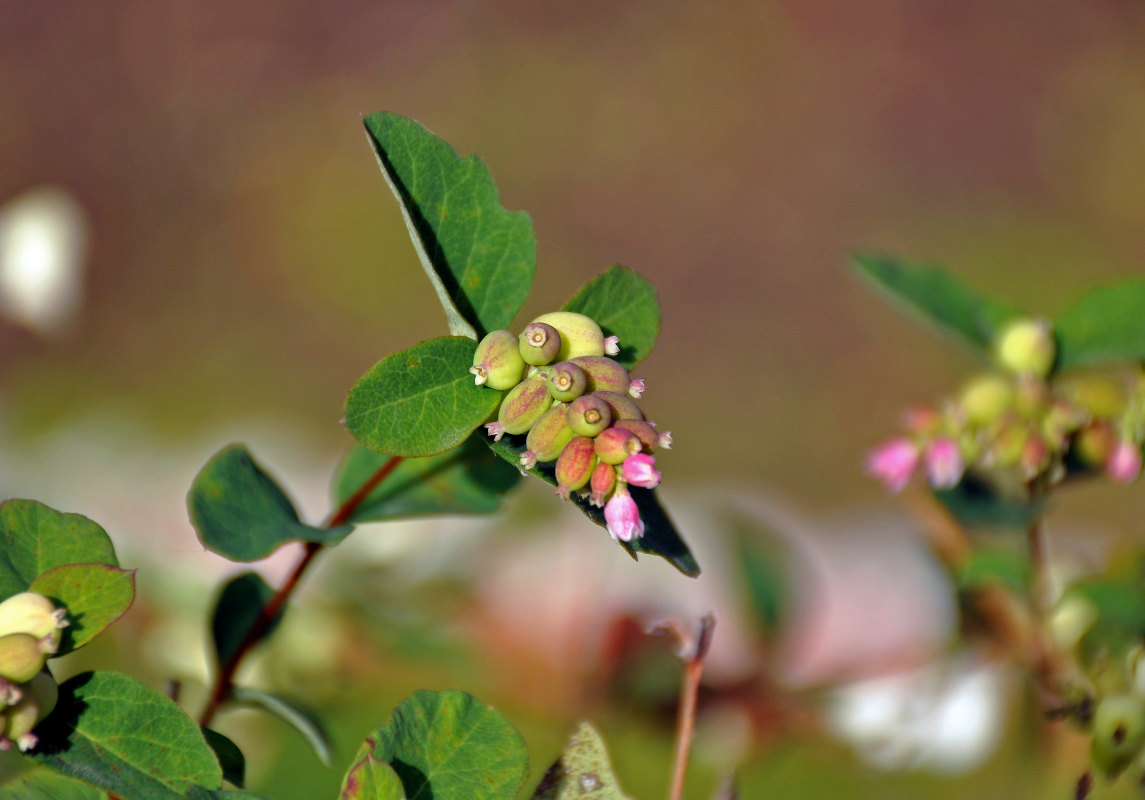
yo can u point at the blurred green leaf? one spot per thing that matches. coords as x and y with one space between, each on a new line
230 758
421 401
480 257
975 504
240 512
450 745
43 784
371 779
937 297
95 596
199 793
1120 604
583 770
625 306
240 604
113 732
465 480
763 573
1106 325
989 566
35 538
660 535
293 713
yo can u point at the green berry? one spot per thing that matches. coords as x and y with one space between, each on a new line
589 415
621 405
497 362
1094 444
1027 347
604 374
547 438
539 343
521 407
575 465
22 655
28 612
580 335
1118 732
567 381
37 702
986 398
615 444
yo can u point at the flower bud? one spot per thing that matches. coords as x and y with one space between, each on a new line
612 345
539 343
604 374
580 335
615 444
547 438
1118 732
10 693
622 516
986 398
521 408
589 415
646 432
28 612
22 655
602 483
893 462
621 405
1035 456
574 466
640 470
944 464
1027 347
567 381
497 362
1124 463
39 700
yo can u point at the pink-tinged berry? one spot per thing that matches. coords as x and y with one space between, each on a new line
602 483
547 438
644 431
893 463
574 466
640 470
1095 444
567 381
524 405
497 361
589 415
636 387
604 374
539 344
622 516
1124 464
944 464
621 405
613 445
612 345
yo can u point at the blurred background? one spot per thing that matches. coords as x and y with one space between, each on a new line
219 260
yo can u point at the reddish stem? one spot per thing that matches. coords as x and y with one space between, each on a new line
224 681
686 717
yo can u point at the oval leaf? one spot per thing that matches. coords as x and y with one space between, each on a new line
450 744
239 605
420 402
479 257
583 770
299 717
1104 326
95 596
937 297
371 779
35 538
230 758
43 784
240 512
114 733
624 305
465 480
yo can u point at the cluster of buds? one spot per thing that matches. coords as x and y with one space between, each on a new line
30 630
577 407
1017 430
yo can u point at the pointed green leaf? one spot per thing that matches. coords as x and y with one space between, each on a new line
420 402
43 784
370 779
624 305
660 535
230 758
35 538
240 512
293 713
450 744
480 257
239 605
1107 325
113 732
465 480
95 595
582 771
937 297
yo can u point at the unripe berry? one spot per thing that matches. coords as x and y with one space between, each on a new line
589 415
38 701
1027 347
547 438
605 375
539 343
601 484
497 362
580 335
22 655
615 444
621 405
1118 732
645 431
567 381
986 398
28 612
521 408
574 466
1101 396
1094 444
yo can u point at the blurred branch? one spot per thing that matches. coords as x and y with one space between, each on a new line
692 652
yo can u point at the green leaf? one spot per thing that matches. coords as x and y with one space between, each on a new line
370 779
583 770
939 298
114 733
240 512
764 576
296 715
230 758
465 480
480 257
43 784
95 596
1107 325
993 567
624 305
660 535
239 605
975 504
199 793
420 402
450 745
35 539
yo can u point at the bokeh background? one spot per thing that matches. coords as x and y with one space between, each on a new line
240 263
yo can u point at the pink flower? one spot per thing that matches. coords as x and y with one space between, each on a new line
1124 462
622 516
893 462
944 464
639 470
636 387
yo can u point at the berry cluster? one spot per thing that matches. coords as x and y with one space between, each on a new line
577 407
1019 431
30 630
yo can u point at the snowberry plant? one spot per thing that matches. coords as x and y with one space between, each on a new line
449 425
